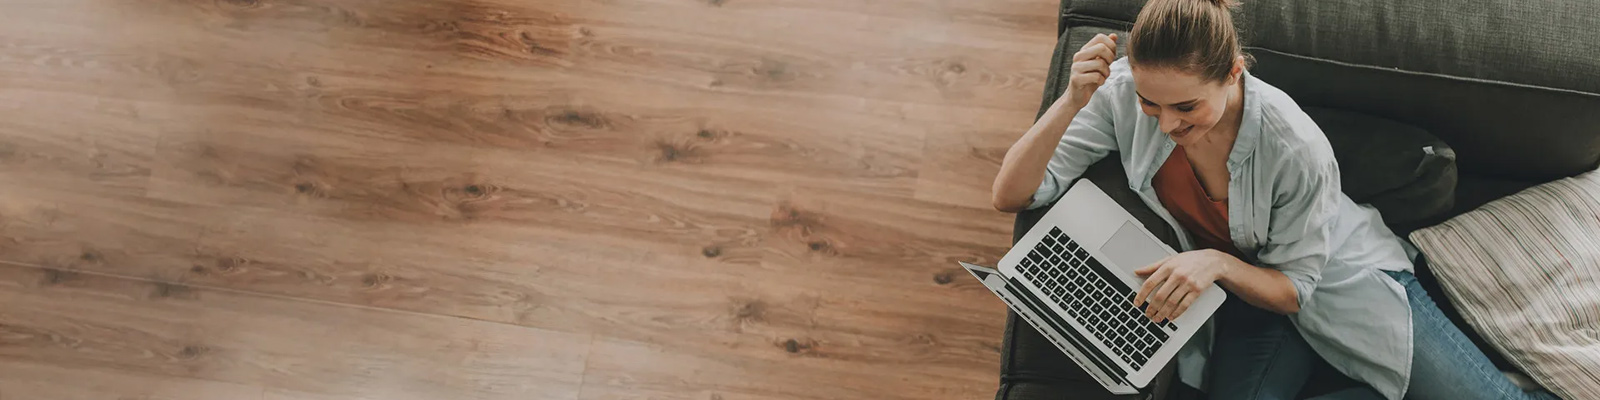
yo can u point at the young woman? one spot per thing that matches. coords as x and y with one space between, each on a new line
1251 185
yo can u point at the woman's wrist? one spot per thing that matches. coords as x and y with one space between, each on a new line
1228 266
1067 101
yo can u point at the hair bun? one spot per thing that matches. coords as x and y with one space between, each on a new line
1224 3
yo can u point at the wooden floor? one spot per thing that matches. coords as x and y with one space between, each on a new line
498 199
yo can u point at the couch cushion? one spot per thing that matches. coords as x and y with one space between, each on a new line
1548 43
1404 172
1124 10
1523 271
1554 133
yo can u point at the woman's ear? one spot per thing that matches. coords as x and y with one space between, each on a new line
1238 69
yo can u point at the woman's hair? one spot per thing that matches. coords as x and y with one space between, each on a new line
1195 36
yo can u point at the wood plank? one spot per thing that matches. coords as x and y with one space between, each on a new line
781 49
113 150
880 239
78 320
23 380
621 368
960 162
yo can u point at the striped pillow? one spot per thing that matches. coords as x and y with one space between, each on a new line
1525 271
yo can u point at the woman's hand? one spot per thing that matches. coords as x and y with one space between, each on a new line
1173 283
1090 68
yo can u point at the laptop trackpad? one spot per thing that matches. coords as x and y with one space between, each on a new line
1131 249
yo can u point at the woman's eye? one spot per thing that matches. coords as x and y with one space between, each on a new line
1147 104
1186 108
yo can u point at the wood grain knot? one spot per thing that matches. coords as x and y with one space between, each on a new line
229 264
943 278
773 70
375 279
54 277
89 256
746 310
164 290
578 119
239 3
716 3
533 47
668 152
956 67
709 135
470 191
788 216
441 26
191 352
794 346
311 189
819 246
711 251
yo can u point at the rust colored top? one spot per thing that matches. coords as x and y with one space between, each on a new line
1182 194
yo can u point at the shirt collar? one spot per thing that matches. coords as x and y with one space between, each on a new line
1249 124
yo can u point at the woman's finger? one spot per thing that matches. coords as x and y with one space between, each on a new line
1169 308
1092 66
1188 299
1103 39
1150 269
1096 51
1109 42
1105 51
1150 285
1085 54
1159 300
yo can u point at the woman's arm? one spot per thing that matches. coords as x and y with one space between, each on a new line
1024 166
1261 287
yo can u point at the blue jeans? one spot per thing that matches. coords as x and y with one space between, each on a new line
1259 355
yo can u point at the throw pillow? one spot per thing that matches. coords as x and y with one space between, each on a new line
1525 272
1404 172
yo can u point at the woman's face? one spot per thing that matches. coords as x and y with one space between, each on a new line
1186 105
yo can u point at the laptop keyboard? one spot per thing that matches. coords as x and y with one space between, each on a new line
1092 296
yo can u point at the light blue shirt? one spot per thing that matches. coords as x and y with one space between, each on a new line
1285 211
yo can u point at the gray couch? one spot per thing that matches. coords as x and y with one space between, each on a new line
1513 87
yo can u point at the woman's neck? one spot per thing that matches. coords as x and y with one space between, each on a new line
1220 141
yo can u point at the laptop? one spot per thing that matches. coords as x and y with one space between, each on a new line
1071 277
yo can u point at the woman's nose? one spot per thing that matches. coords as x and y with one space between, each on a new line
1169 122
